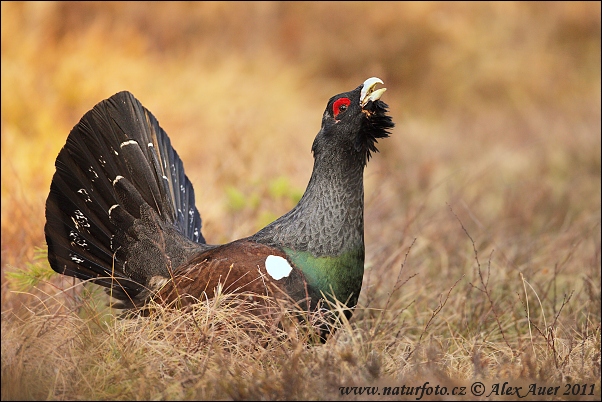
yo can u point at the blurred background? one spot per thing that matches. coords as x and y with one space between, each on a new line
496 105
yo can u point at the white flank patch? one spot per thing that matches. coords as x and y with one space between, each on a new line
277 267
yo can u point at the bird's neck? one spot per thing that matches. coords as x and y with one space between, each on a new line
329 218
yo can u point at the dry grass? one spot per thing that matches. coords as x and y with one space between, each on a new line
482 210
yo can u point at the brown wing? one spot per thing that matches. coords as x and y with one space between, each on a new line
238 267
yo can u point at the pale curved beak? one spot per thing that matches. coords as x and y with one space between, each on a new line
368 93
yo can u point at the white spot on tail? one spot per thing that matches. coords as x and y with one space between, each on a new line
112 208
80 221
75 258
76 239
85 194
91 170
130 142
277 267
117 179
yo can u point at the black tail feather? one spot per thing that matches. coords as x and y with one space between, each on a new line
119 139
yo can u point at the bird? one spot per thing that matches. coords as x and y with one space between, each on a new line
121 213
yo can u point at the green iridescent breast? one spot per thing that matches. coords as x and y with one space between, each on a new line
341 275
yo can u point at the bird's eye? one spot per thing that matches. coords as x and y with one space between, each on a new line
340 105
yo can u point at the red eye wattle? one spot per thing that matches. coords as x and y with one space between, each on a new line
340 105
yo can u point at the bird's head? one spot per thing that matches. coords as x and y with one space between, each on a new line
353 122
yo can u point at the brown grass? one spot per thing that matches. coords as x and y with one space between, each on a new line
482 209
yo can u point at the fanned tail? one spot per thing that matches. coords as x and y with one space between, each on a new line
121 209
